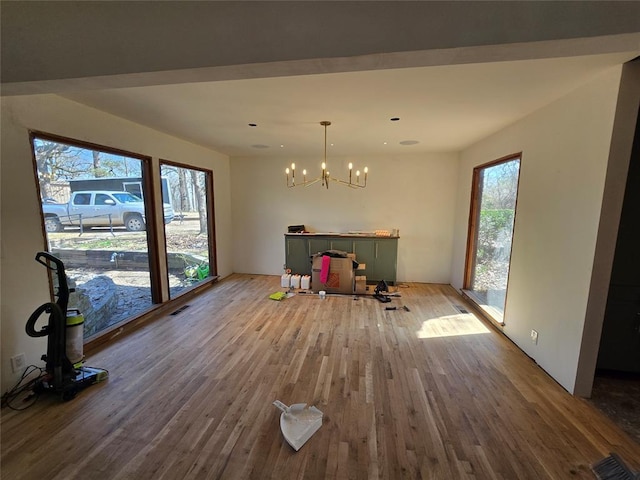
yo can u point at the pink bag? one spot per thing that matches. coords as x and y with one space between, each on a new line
324 270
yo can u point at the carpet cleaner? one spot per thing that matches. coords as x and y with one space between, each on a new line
66 373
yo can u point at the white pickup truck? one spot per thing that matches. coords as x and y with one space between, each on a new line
99 208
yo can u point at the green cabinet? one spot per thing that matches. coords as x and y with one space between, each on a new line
378 254
386 255
318 245
322 244
365 253
380 258
297 257
344 244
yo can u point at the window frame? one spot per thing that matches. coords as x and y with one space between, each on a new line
472 233
211 240
148 173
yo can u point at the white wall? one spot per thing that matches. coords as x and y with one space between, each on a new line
565 149
415 194
24 282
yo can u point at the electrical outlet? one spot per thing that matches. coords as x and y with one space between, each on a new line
534 337
18 363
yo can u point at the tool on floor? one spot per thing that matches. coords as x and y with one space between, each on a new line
65 371
298 423
278 296
379 293
403 307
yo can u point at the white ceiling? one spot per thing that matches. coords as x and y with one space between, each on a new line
443 108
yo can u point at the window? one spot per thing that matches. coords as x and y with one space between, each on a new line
101 199
493 207
82 199
99 220
126 197
104 245
189 237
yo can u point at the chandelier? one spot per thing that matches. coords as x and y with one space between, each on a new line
325 177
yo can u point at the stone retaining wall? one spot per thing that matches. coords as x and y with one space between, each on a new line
118 260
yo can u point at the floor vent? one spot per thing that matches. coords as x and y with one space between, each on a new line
180 310
461 309
613 468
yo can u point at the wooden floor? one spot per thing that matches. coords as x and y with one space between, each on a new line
429 393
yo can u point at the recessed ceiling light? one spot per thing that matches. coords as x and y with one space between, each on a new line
259 145
281 146
395 119
253 124
409 142
384 143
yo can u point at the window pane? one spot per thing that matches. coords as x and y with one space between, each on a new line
96 229
497 189
189 255
82 199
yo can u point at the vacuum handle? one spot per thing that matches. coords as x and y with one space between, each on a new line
50 308
51 258
63 286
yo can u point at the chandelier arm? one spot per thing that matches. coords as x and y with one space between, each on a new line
303 184
348 184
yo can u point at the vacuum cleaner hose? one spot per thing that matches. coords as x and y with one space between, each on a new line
49 307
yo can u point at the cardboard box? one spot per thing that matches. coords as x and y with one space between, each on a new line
361 284
340 278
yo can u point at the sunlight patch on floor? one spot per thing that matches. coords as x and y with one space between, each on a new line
451 326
